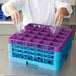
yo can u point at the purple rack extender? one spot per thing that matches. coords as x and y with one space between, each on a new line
40 35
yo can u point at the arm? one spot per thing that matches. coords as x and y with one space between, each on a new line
11 8
63 10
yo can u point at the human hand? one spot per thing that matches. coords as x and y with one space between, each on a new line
59 16
14 14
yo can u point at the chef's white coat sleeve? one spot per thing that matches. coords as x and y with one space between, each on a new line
16 3
61 3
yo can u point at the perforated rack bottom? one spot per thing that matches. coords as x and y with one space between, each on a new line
53 59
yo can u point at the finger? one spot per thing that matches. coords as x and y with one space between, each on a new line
13 18
19 17
56 18
16 18
61 21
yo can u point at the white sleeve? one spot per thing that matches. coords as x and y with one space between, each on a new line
16 3
61 3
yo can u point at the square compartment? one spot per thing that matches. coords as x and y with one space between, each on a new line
28 30
35 40
13 36
36 29
42 33
59 40
45 42
30 26
61 36
21 34
34 32
30 35
45 30
56 44
52 35
39 37
48 38
63 33
27 39
65 29
20 38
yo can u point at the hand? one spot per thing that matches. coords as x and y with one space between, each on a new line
14 14
59 16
